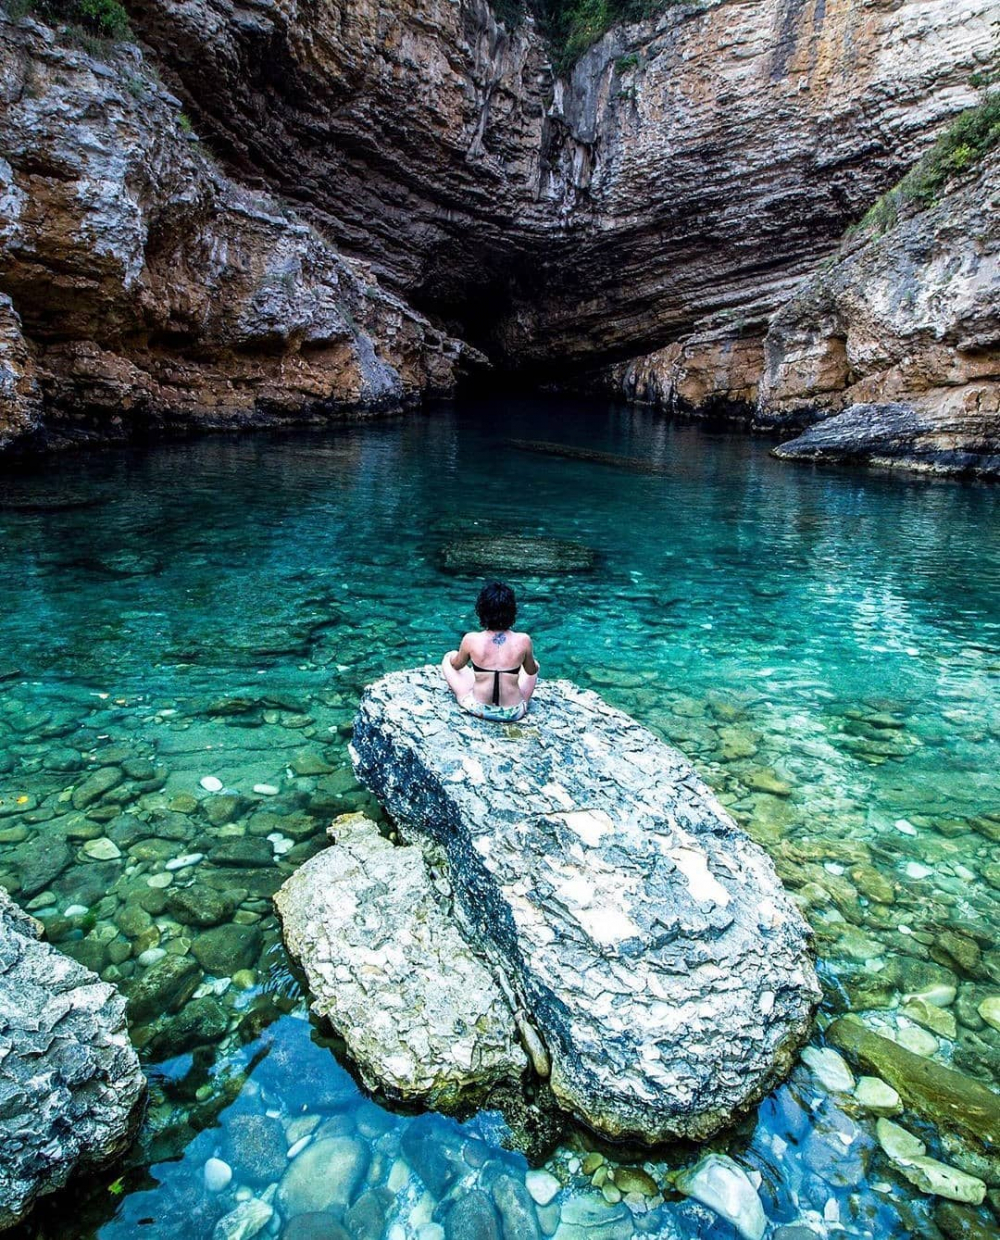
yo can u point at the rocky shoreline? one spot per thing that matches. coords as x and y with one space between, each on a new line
71 1090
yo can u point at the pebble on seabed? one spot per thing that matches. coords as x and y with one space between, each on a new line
211 783
217 1174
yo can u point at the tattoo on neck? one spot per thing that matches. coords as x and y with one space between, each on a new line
499 639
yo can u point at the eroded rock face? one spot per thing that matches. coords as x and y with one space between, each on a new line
70 1084
20 399
693 166
649 940
154 288
421 1015
899 339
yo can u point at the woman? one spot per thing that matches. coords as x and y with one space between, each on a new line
493 673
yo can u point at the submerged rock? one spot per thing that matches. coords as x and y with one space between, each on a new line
649 941
511 553
719 1183
387 966
945 1097
70 1082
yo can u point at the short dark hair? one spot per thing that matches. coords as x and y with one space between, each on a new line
496 606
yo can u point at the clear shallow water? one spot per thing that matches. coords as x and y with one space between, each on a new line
824 645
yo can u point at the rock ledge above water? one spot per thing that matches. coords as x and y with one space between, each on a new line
70 1083
647 937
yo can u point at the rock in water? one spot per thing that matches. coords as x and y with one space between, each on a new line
70 1083
516 553
387 966
649 939
719 1183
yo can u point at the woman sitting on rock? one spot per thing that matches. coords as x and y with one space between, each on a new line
493 673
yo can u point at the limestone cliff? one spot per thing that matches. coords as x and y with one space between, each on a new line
659 202
901 332
691 166
153 288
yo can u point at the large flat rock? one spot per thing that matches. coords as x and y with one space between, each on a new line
650 940
420 1013
70 1084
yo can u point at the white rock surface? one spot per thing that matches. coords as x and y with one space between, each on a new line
719 1183
387 966
830 1068
647 937
70 1083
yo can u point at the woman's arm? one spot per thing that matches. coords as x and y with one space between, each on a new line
461 655
530 665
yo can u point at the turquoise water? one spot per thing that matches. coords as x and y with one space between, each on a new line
824 645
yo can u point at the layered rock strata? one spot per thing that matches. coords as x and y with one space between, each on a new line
420 1013
70 1085
152 288
660 201
695 164
649 940
899 340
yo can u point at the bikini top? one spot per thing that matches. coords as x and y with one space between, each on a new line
497 673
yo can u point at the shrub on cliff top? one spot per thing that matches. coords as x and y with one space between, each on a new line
971 136
105 18
572 26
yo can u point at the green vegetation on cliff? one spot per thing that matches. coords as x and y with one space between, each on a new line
106 19
572 26
966 141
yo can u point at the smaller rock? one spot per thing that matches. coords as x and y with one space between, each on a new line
102 849
829 1068
211 783
635 1180
217 1175
226 949
898 1144
719 1183
931 1176
989 1010
542 1186
266 790
917 1040
877 1096
185 862
767 781
309 763
247 1220
937 1019
95 786
941 994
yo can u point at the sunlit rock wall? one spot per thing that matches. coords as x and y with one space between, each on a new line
155 289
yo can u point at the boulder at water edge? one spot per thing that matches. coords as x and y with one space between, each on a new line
387 966
647 937
70 1083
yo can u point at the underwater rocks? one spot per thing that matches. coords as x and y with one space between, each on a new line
650 943
515 553
70 1084
949 1099
421 1014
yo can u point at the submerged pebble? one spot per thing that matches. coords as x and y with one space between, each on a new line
217 1174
